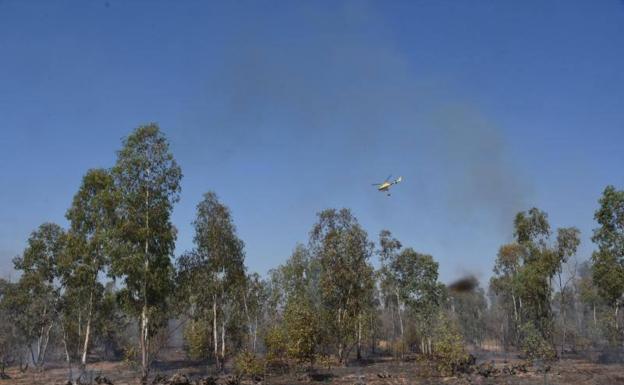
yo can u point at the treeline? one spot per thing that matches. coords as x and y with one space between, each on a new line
109 287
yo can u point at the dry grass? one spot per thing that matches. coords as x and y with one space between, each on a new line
380 372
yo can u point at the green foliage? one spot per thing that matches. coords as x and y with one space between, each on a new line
36 302
276 343
147 181
197 339
533 345
448 346
302 328
524 271
247 364
470 309
343 250
211 278
131 357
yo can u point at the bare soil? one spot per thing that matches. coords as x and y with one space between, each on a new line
381 371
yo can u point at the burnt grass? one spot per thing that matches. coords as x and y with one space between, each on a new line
488 369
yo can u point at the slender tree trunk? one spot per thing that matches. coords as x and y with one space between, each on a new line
340 345
85 346
255 334
70 375
222 343
215 331
595 322
44 347
249 324
359 338
144 315
372 334
399 313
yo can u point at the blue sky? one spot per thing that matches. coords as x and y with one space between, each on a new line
287 108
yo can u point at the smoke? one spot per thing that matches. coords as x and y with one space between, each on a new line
464 285
338 92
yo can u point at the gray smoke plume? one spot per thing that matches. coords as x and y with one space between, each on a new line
340 85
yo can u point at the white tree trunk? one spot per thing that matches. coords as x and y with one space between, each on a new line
85 346
215 331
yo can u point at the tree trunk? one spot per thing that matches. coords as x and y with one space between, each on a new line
359 342
144 347
215 331
255 334
222 342
249 324
340 345
399 313
372 334
70 375
144 316
85 346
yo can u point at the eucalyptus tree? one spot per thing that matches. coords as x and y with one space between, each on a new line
410 280
343 251
146 179
91 218
388 253
608 260
525 270
214 272
254 300
416 275
470 309
39 289
11 340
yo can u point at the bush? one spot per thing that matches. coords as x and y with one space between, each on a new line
302 330
276 342
448 346
246 364
131 356
197 339
533 345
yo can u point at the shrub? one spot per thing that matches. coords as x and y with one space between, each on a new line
276 342
130 356
302 330
448 346
197 339
533 345
247 364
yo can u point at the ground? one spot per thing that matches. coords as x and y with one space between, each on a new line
381 371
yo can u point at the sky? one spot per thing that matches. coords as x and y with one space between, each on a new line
486 108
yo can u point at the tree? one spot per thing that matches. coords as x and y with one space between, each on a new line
524 272
11 340
214 272
388 253
146 178
343 250
470 308
608 260
38 289
302 329
254 300
91 219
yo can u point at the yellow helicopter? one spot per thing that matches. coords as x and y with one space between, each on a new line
385 185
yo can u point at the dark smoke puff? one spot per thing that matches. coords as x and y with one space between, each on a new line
463 285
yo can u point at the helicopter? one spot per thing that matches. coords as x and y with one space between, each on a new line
385 185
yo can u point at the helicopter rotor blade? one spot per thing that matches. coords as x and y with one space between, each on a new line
389 177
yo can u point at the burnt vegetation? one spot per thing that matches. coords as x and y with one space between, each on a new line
105 299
